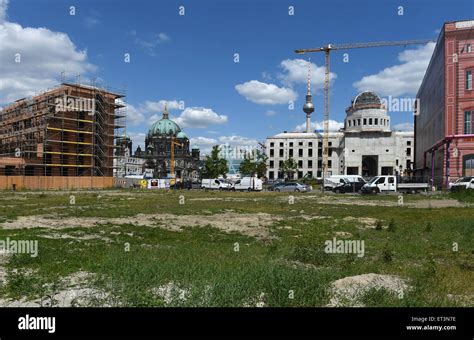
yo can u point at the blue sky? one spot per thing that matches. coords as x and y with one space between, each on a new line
190 57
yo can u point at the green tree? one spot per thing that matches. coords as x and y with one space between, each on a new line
254 165
248 167
261 167
289 167
214 165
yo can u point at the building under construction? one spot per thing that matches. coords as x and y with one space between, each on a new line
68 131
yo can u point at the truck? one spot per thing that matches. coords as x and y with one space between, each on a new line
249 184
462 183
216 183
380 184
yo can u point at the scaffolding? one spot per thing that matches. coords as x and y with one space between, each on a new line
56 136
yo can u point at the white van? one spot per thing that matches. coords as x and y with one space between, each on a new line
214 183
335 180
249 184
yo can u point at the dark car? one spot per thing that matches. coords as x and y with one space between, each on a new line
348 187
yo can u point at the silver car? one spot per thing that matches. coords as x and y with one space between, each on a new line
293 187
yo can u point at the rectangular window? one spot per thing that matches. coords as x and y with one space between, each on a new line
300 143
272 144
300 164
310 164
468 129
365 121
281 152
291 152
329 163
370 121
310 144
300 152
271 164
376 121
310 152
272 152
468 80
468 48
408 151
281 145
291 144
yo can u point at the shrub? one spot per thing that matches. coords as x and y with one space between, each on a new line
391 225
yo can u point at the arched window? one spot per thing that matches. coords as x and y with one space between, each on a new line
468 165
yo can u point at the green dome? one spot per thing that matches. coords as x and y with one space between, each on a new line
164 127
181 135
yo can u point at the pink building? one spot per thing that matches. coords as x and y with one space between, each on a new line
444 120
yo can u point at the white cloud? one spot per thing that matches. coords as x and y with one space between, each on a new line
204 144
159 106
163 37
150 44
296 72
43 53
199 117
270 113
134 116
404 127
238 141
404 78
138 138
333 126
263 93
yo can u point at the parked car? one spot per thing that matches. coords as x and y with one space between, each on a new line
192 185
335 180
271 184
463 183
348 186
292 186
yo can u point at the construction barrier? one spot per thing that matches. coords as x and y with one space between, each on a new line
54 182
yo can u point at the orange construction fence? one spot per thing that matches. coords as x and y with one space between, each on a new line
54 182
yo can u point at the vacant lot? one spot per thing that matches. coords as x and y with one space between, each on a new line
196 248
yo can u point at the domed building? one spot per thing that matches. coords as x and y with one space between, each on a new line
158 150
365 145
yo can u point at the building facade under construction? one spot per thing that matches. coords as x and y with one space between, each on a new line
69 131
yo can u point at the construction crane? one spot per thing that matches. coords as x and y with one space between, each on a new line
327 49
173 143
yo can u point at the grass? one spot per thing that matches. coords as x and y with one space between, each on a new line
417 246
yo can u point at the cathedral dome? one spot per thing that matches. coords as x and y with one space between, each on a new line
181 135
164 126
